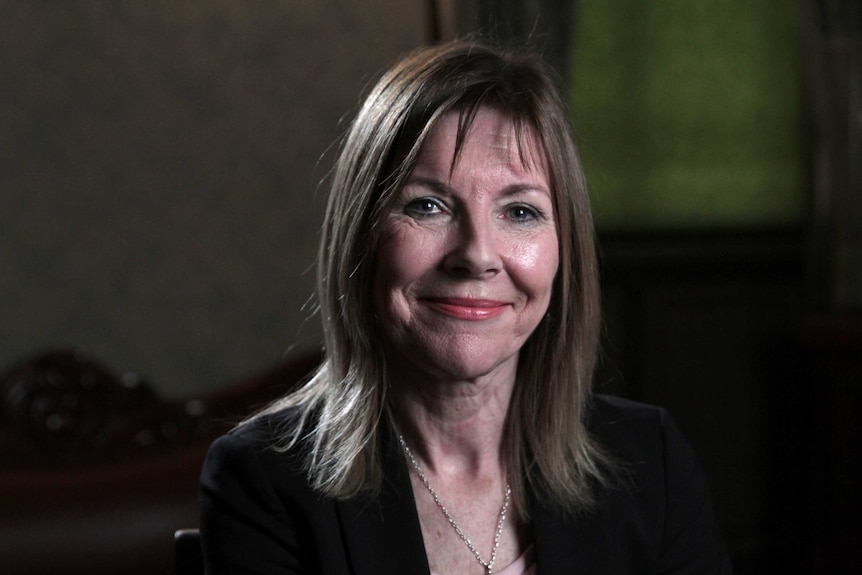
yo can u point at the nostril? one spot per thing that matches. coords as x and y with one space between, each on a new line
472 264
474 251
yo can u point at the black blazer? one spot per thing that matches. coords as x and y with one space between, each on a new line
258 514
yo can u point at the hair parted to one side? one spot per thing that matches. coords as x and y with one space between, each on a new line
342 408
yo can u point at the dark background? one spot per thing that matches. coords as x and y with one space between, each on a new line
159 210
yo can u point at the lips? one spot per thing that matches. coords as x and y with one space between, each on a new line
467 308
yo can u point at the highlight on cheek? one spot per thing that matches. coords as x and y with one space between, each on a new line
533 254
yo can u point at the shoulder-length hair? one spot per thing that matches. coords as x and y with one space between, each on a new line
343 408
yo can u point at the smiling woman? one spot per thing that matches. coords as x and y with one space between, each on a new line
451 428
467 256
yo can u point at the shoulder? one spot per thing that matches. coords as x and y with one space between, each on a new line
652 453
635 432
257 508
254 459
256 437
262 432
663 504
604 410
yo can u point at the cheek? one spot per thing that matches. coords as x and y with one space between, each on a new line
537 262
401 259
385 274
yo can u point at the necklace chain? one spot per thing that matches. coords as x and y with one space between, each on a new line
489 564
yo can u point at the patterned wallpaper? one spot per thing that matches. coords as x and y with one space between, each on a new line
159 172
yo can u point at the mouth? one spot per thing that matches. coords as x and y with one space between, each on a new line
467 308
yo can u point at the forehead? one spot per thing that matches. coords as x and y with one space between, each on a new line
488 132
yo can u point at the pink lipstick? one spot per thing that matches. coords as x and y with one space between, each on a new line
468 308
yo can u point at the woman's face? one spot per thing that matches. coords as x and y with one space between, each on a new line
468 253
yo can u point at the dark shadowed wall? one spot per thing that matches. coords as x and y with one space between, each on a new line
159 168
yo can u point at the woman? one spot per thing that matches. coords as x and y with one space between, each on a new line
451 428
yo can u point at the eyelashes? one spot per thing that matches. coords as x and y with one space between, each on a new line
429 207
524 213
422 208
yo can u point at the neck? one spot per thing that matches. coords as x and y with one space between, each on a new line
455 428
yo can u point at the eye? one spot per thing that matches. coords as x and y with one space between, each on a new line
522 213
423 207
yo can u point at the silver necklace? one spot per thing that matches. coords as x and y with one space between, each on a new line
489 564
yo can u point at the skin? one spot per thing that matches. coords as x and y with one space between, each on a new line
465 269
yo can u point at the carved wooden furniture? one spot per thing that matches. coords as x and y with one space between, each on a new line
97 471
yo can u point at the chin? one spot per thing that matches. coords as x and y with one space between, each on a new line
459 366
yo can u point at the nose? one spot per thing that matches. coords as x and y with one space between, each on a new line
474 250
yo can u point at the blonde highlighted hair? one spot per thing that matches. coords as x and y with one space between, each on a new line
343 408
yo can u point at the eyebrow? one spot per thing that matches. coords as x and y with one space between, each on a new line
509 190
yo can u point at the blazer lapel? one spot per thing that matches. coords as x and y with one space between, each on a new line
566 543
383 535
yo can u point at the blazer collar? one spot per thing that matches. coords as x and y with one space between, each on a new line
382 534
570 543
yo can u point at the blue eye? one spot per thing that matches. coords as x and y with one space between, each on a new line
423 207
521 213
